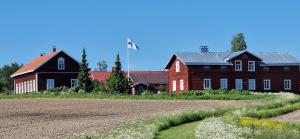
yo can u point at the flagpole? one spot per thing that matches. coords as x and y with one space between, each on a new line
127 62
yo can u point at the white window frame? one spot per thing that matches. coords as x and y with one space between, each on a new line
33 86
251 65
49 87
181 83
267 84
177 64
174 85
61 64
239 84
206 83
74 84
251 84
287 86
22 87
224 83
240 65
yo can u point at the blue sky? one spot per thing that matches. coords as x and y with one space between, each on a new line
159 27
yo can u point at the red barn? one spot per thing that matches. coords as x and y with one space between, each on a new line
47 71
244 70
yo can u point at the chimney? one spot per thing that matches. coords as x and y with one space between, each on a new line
204 49
54 49
41 54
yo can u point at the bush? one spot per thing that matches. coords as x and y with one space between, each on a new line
146 93
99 87
57 90
162 88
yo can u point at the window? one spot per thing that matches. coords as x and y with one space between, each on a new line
50 83
287 84
251 65
74 82
22 87
266 68
238 65
17 88
181 85
206 67
25 87
177 66
252 84
238 84
174 85
224 83
61 64
207 84
33 86
267 84
287 68
223 67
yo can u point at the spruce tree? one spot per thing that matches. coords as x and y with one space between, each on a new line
85 82
117 82
238 43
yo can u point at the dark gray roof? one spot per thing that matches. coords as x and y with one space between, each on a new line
149 77
221 58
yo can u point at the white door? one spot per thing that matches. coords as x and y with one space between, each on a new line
174 85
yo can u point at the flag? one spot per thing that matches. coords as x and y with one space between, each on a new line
132 45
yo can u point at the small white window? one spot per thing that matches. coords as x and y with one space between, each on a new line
181 85
74 82
177 66
287 84
238 65
17 89
251 65
238 84
22 88
174 85
207 83
61 64
252 84
267 84
50 83
223 83
33 86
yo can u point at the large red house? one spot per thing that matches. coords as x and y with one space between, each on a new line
244 70
47 71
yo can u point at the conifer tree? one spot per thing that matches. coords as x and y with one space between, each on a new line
238 43
85 82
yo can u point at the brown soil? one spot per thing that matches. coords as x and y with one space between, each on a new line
290 117
60 118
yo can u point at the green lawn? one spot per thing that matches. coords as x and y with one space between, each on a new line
185 131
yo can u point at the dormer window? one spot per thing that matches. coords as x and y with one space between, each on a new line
238 65
61 64
251 66
177 66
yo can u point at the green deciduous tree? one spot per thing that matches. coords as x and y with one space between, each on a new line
117 82
85 82
5 72
238 43
102 65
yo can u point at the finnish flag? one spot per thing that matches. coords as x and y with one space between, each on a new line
132 45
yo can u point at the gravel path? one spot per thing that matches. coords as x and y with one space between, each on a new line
290 117
60 118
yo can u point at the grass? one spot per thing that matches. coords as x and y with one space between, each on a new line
255 115
186 132
234 96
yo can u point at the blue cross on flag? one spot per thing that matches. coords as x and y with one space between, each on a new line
132 45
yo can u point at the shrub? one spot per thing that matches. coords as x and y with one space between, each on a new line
146 93
162 88
57 90
99 87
